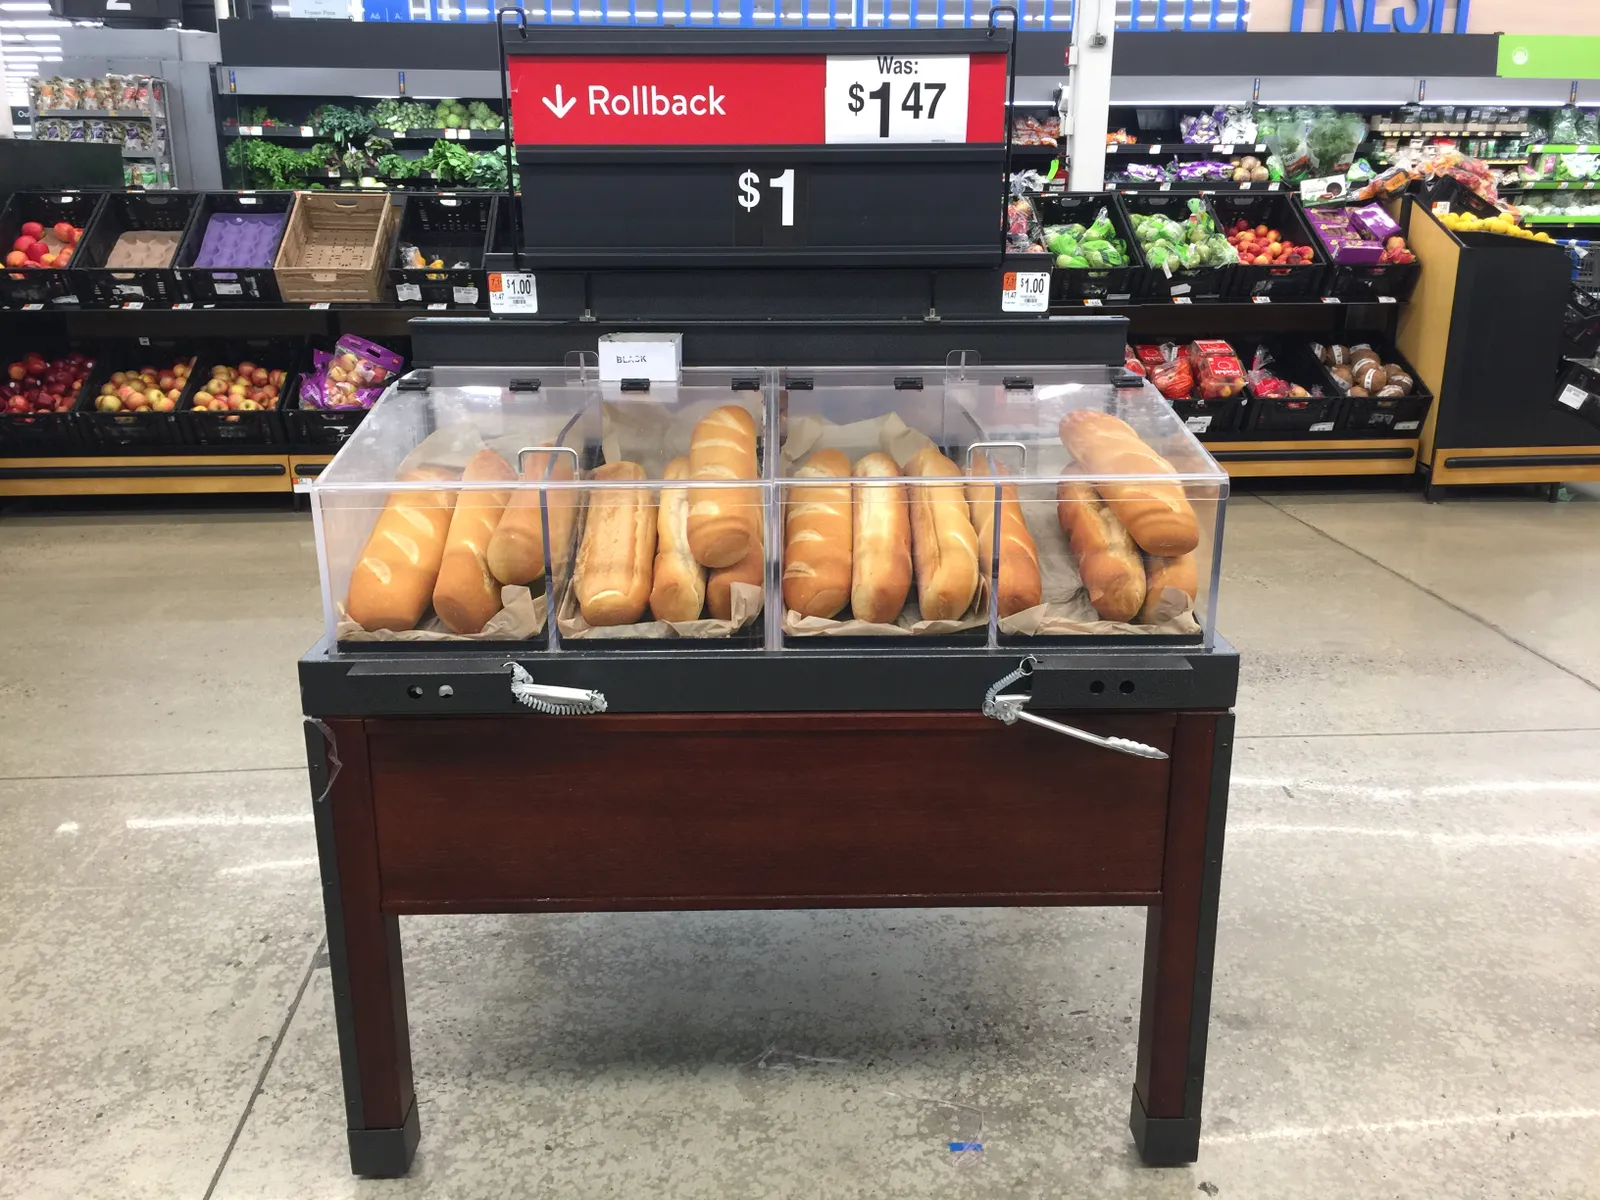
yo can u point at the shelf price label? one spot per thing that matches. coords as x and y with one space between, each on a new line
513 292
1025 292
890 98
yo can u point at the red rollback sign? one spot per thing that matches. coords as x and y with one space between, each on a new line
766 100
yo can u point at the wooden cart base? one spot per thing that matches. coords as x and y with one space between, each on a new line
782 810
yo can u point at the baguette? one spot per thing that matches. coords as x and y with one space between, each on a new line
1158 515
1164 573
516 551
1021 585
723 522
678 591
1108 562
750 569
880 569
467 594
394 577
619 542
944 545
817 538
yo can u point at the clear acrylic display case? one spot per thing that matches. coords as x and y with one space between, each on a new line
539 507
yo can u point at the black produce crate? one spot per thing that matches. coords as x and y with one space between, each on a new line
126 212
320 430
1384 416
1369 281
1578 390
1203 283
38 286
33 433
135 430
1278 211
1282 416
232 285
1117 284
452 227
265 427
1207 418
1580 325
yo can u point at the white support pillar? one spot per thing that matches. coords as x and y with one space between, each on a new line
5 99
1093 32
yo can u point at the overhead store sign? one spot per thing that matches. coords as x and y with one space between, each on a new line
788 100
1379 16
1544 56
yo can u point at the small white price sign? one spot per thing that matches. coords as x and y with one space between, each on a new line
1025 291
465 295
890 98
512 292
407 291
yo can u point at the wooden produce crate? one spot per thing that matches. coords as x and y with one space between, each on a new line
335 248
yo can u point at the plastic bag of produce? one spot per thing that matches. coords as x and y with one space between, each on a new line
1201 128
1173 376
1203 169
353 376
1146 173
1130 361
1022 223
1101 226
1218 373
1564 124
1267 386
1238 124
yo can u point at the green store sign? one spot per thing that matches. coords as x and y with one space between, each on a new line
1549 56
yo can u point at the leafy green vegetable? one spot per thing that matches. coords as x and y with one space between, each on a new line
267 164
448 161
488 170
396 166
341 124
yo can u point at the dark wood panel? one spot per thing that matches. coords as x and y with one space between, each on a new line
762 810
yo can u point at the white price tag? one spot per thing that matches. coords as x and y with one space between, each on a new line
134 304
1198 424
1156 149
1572 396
407 291
1322 427
254 131
1223 149
890 98
1261 299
452 135
1440 207
1093 303
1182 300
513 292
1407 425
1562 186
1332 300
1025 291
226 287
465 295
1274 187
1166 187
439 307
32 307
321 304
1244 187
1387 300
186 304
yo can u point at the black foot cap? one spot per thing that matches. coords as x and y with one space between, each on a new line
385 1153
1164 1141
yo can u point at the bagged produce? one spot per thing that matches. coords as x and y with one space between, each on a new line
1238 124
353 376
1022 224
1096 247
1203 169
1130 362
1564 124
1170 372
1202 128
1267 386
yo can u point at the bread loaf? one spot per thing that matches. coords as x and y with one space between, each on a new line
1343 377
1158 515
750 569
723 522
394 577
1400 377
678 589
619 543
1108 562
880 571
1020 585
1164 573
817 535
467 593
944 545
1368 373
516 551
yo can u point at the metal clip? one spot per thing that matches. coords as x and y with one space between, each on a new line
1008 710
556 701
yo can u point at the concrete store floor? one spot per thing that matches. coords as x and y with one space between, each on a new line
1408 966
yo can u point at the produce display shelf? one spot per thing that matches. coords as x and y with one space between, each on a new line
1565 185
295 133
1200 149
113 114
1302 457
1198 185
1561 219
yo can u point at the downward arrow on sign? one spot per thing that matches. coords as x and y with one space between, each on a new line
559 106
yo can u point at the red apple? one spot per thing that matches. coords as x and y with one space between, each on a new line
32 229
24 243
64 232
37 251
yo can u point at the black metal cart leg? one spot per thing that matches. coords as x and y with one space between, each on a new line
1180 944
369 993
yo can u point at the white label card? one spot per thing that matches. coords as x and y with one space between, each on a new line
513 292
1322 427
407 291
1572 396
1261 299
1093 303
465 295
226 287
1332 300
1025 291
1182 300
1198 424
884 98
1387 300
